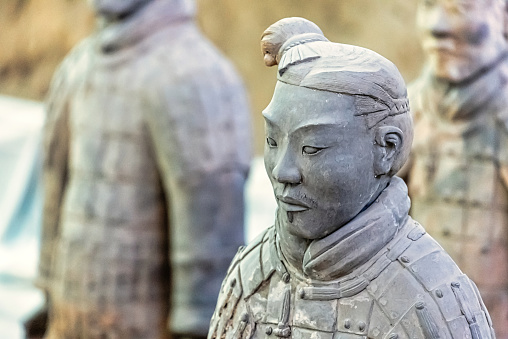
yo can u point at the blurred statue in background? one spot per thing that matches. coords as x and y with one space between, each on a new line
458 175
344 259
147 147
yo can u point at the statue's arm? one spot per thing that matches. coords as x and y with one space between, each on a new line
204 186
55 153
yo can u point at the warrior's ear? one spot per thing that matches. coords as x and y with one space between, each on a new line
388 144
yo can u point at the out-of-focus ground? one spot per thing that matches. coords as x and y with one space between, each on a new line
36 34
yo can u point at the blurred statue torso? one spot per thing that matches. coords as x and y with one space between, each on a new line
458 178
142 115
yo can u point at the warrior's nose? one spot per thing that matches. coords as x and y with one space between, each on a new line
286 170
438 23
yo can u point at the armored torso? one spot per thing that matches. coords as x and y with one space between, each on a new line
409 289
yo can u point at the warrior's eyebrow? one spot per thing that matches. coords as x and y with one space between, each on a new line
265 114
317 125
269 121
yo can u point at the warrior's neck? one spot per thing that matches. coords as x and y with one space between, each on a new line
292 247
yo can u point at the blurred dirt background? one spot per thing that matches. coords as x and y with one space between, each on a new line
36 34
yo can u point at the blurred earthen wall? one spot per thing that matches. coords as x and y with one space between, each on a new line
36 34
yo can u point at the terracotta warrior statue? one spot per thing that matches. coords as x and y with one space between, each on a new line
344 259
458 174
147 148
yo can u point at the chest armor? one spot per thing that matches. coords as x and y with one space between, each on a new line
416 291
457 192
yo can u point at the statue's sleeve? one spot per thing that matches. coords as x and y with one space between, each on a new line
55 148
199 129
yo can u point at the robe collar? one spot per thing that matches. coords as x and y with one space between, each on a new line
152 18
469 99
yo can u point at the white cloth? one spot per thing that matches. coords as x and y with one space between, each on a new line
21 123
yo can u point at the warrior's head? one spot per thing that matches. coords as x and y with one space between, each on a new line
462 37
337 129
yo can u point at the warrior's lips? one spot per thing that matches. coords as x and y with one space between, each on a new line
291 205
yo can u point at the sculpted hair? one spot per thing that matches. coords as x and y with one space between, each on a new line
286 28
308 59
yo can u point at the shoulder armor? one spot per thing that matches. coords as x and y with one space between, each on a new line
452 292
245 250
427 295
257 263
248 270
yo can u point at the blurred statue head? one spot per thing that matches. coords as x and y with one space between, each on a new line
462 37
117 8
337 128
120 9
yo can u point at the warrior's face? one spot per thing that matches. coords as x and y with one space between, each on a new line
117 8
319 158
460 37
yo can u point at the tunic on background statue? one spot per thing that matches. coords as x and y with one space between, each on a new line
343 259
458 181
147 150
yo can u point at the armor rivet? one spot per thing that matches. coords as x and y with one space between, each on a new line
232 283
404 259
439 293
420 305
285 277
347 323
361 326
393 336
269 330
455 284
245 318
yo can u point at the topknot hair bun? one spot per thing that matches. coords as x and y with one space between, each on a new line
286 33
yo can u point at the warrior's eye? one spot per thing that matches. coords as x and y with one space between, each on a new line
311 150
271 142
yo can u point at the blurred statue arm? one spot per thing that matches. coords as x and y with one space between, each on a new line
203 167
203 164
55 147
502 152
